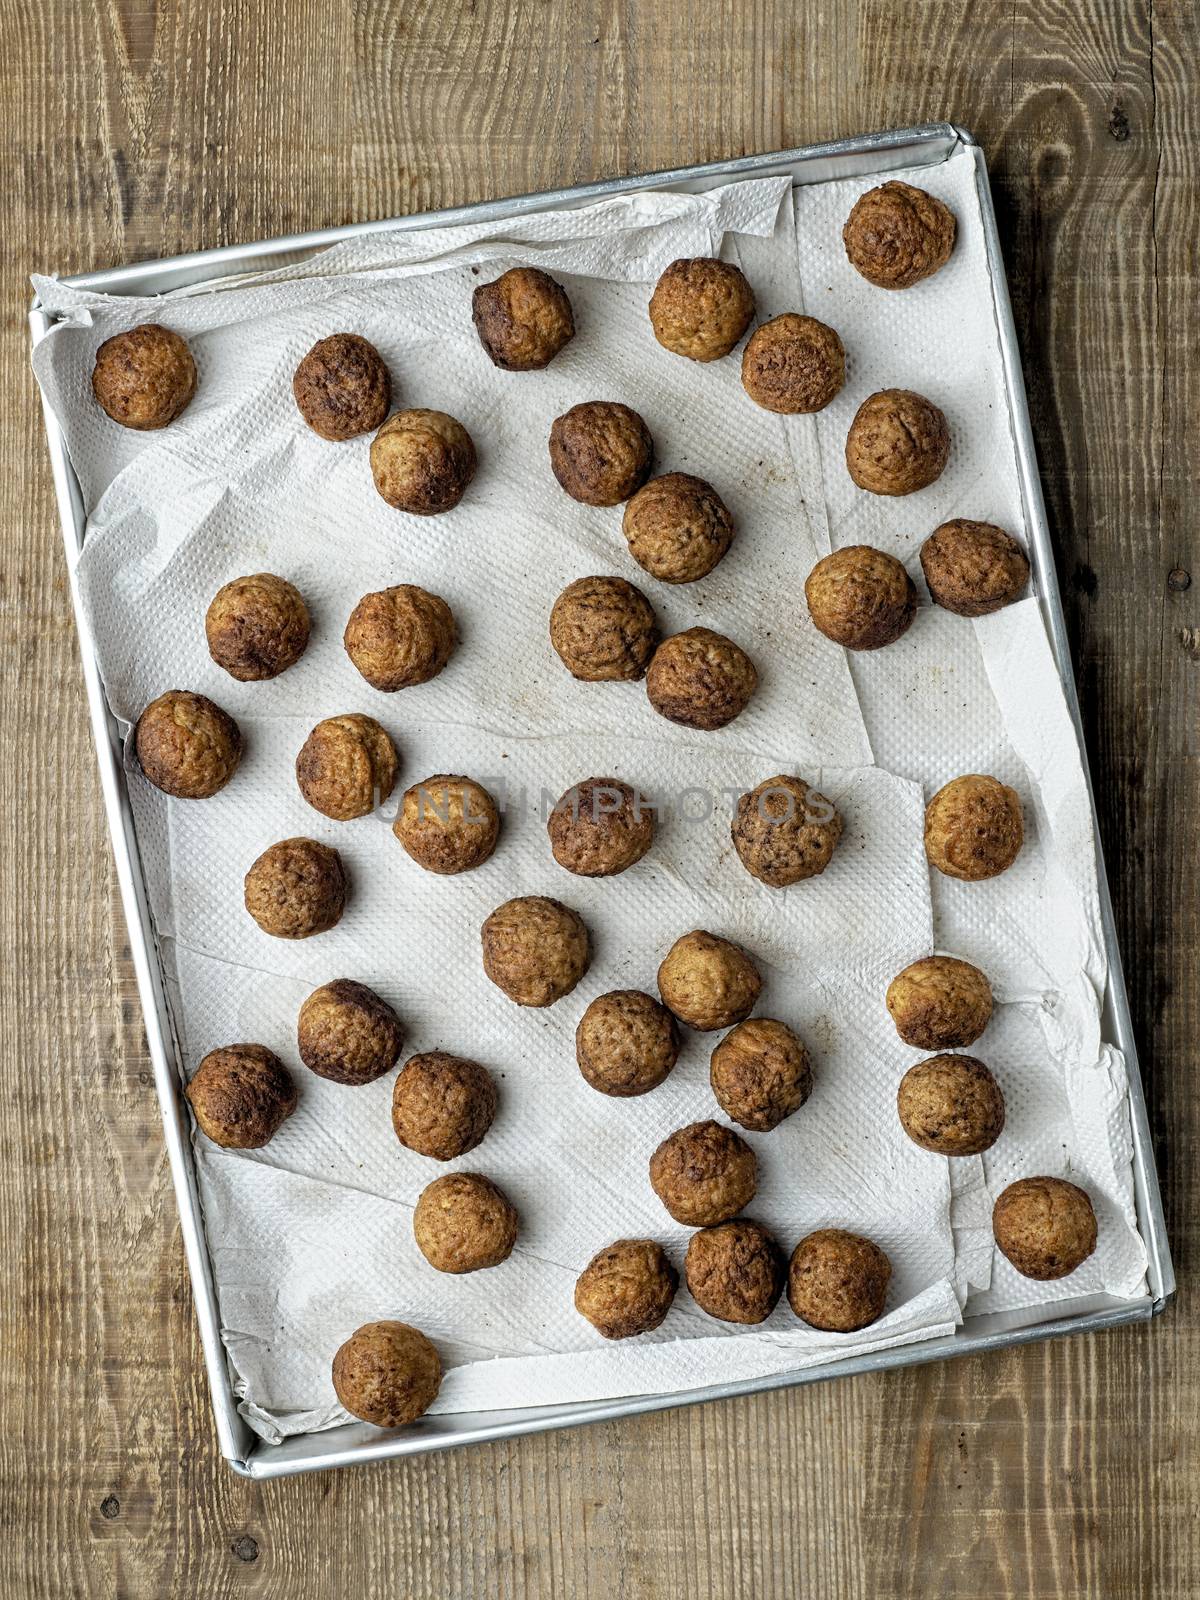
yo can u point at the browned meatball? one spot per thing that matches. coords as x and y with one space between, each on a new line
973 568
626 1043
951 1105
442 1105
400 637
346 767
760 1073
860 597
187 746
145 377
973 828
535 949
240 1095
793 364
342 387
1045 1226
784 832
898 443
735 1271
838 1281
603 630
896 235
600 827
940 1003
422 461
627 1288
296 888
677 527
447 823
348 1034
256 627
700 679
523 319
464 1222
700 308
708 982
600 452
704 1174
387 1374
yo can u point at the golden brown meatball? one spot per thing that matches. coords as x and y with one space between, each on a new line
626 1043
464 1222
400 637
973 828
951 1105
603 630
447 823
523 319
940 1003
256 627
296 888
973 568
708 982
860 597
700 308
535 949
600 827
1045 1226
760 1073
145 377
700 679
898 443
387 1374
784 832
348 1034
342 387
896 235
627 1288
838 1281
793 365
187 746
422 461
442 1105
735 1271
240 1095
346 767
704 1174
600 452
677 527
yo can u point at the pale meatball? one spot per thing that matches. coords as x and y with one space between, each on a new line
448 823
940 1003
464 1223
626 1043
951 1105
535 949
898 443
700 308
708 982
677 527
700 679
346 767
422 461
604 630
626 1289
400 637
860 597
784 832
973 828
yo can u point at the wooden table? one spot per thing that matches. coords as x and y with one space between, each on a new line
136 129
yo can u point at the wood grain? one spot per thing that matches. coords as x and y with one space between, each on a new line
136 128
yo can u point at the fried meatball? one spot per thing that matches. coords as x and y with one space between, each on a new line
187 746
793 364
422 461
464 1222
898 443
940 1003
973 568
627 1288
400 637
603 630
387 1374
760 1074
896 235
346 767
735 1271
256 627
677 527
600 827
626 1043
973 828
442 1105
523 319
704 1174
600 452
535 949
296 888
347 1033
1045 1226
342 387
951 1105
241 1095
700 679
783 831
838 1281
860 597
145 377
447 823
700 308
708 982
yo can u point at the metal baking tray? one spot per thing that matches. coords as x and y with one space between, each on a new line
863 157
